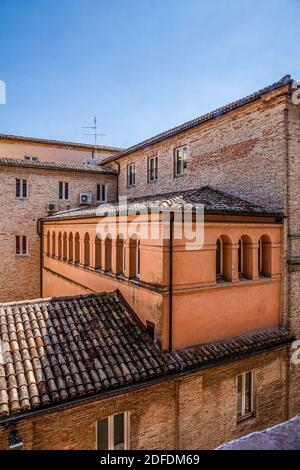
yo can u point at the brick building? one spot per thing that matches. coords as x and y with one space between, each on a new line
26 189
202 336
20 147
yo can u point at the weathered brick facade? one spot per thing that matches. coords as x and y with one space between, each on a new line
194 411
20 275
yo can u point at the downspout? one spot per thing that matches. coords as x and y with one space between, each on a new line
40 234
171 281
118 180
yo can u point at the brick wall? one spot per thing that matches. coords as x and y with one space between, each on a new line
196 411
241 152
20 276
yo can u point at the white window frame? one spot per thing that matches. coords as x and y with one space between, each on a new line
155 169
245 414
111 430
21 245
131 175
105 192
21 188
65 184
182 149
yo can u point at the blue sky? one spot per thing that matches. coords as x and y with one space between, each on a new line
141 66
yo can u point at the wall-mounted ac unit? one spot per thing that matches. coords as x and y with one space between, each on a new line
52 206
85 198
91 161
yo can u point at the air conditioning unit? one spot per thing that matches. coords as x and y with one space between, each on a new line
91 161
52 206
85 198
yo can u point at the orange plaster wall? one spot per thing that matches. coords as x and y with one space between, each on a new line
214 314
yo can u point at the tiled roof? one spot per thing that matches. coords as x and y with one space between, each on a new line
284 436
58 349
205 354
214 201
58 143
81 167
286 80
61 349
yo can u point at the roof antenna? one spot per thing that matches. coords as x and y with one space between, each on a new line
95 134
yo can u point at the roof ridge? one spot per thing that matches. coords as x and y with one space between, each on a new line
285 80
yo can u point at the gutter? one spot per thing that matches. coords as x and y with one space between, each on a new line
6 421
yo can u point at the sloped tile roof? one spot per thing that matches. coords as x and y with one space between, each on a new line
61 348
286 80
58 143
79 167
205 354
214 201
284 436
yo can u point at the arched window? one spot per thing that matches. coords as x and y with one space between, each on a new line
245 255
77 248
223 259
53 244
48 243
219 258
59 254
86 260
265 256
108 253
98 253
120 245
65 246
134 257
71 249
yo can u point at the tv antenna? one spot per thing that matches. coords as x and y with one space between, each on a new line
94 134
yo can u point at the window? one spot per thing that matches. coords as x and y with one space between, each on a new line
21 188
108 254
219 259
134 258
152 169
21 245
63 190
101 193
265 256
86 253
245 391
245 258
223 259
113 432
120 246
179 161
31 158
131 175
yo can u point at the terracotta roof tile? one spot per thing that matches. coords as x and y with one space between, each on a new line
85 347
213 200
44 165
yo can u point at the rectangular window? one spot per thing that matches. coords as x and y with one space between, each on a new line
113 432
21 245
31 158
179 161
245 392
131 175
101 193
63 190
21 188
152 169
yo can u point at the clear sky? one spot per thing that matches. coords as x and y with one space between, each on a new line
141 66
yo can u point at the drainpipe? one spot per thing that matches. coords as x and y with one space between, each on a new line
118 180
171 281
40 233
